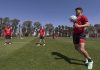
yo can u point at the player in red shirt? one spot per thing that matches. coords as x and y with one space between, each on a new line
79 39
41 35
7 33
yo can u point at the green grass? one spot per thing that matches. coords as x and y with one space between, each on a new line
58 54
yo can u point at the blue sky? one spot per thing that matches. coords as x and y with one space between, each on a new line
49 11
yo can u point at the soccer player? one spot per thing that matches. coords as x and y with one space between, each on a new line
8 34
41 35
79 39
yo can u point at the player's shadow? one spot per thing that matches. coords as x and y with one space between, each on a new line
69 60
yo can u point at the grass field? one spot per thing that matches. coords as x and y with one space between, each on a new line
58 54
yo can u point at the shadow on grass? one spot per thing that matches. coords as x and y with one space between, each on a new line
66 58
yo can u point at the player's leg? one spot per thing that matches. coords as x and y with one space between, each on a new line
6 40
76 41
9 39
77 47
43 41
85 53
40 40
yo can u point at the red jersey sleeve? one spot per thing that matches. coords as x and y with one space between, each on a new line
85 19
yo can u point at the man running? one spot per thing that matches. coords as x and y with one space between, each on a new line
41 35
7 34
79 39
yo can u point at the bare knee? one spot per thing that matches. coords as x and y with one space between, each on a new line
82 49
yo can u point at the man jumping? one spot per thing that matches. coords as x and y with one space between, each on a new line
79 39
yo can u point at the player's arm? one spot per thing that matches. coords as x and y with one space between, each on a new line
87 24
44 34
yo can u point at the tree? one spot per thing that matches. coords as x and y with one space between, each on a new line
6 20
62 30
49 28
97 29
37 25
70 31
56 31
59 30
27 28
14 23
67 31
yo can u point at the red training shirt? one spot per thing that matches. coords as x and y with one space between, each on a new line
81 20
7 31
42 31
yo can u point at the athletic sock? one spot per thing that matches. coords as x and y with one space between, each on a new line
90 60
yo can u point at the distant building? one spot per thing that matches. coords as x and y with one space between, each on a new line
98 32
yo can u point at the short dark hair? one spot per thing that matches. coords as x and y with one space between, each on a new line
78 8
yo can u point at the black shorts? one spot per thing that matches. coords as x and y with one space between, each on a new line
77 37
41 37
8 37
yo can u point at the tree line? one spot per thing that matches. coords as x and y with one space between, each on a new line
28 28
